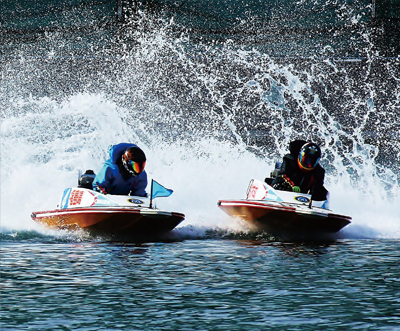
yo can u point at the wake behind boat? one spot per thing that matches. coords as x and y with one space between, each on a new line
280 212
82 208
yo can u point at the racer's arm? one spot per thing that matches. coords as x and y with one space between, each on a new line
283 180
103 180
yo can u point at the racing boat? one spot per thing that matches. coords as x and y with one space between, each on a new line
280 212
82 208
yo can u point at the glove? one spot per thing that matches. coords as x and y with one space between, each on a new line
296 189
283 183
102 190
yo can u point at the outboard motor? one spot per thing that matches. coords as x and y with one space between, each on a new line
86 180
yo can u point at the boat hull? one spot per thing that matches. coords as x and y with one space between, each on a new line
111 220
284 217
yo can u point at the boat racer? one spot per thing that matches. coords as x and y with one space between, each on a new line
123 173
301 172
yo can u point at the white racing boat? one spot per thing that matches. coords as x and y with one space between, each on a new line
281 211
82 208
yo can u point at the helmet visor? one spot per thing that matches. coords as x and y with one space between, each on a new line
133 167
137 167
307 161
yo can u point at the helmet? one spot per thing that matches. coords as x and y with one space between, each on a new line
134 160
309 156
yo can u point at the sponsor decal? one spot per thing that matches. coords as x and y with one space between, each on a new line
136 201
259 191
76 198
252 192
302 199
65 198
94 199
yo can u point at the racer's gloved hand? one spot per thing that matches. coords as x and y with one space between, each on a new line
283 183
296 189
101 190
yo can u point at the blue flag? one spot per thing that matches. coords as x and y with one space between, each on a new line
158 190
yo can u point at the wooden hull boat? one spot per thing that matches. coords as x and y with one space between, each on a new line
82 208
278 211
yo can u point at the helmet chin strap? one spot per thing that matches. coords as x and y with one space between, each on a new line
132 173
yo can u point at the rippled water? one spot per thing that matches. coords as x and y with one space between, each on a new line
201 285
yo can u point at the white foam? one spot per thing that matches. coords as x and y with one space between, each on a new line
37 166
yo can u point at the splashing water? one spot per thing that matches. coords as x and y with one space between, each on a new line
209 117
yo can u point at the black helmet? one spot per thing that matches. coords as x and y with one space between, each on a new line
134 160
309 156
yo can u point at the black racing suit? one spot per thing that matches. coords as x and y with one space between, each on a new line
311 182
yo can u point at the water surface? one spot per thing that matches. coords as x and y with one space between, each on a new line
201 285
